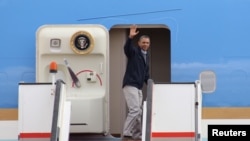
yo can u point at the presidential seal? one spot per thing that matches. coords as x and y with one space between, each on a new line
82 42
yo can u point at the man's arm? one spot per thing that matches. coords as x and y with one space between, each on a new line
128 47
147 76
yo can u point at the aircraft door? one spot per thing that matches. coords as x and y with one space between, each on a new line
82 56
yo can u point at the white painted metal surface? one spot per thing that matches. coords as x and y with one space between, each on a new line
65 122
175 113
173 108
90 102
35 108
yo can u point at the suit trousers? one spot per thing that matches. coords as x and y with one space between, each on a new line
133 123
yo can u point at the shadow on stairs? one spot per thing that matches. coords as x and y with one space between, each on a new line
92 137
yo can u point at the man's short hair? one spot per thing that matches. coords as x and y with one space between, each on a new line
144 36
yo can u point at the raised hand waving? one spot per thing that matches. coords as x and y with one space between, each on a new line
133 31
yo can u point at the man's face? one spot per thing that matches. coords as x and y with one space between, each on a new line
144 43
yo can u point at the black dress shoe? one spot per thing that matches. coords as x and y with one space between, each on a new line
127 138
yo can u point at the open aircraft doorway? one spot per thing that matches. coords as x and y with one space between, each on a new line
160 65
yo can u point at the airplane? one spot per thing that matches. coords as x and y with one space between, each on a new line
187 39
